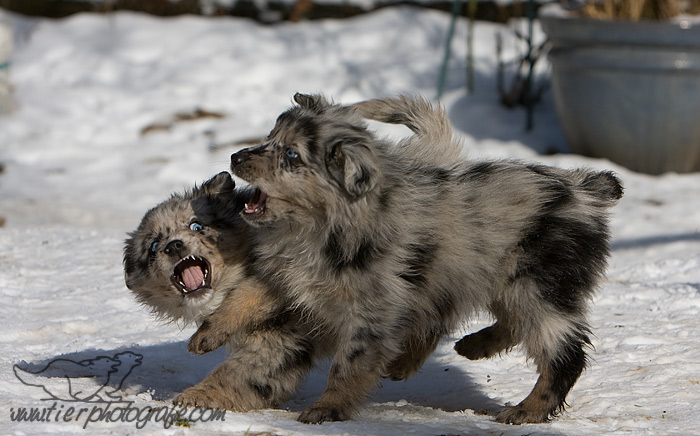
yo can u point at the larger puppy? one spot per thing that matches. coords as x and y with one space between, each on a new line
391 248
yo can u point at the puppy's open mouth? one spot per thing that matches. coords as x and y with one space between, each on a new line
191 274
256 206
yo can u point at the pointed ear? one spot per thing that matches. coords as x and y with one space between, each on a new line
220 184
312 102
354 167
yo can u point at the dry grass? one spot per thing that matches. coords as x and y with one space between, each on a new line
635 10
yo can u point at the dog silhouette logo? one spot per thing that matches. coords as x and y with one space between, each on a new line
63 379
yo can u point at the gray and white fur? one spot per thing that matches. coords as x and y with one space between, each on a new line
390 247
189 261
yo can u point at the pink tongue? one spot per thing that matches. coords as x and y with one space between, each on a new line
255 203
193 277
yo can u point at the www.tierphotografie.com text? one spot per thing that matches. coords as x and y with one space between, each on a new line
115 412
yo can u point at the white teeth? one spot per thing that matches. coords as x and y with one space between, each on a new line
257 210
249 210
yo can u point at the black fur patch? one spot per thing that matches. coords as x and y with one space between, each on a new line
263 390
568 366
365 335
357 352
276 321
418 262
358 257
479 172
565 257
308 127
286 118
300 357
333 250
133 259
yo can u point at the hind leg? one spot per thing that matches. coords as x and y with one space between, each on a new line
557 346
558 264
415 351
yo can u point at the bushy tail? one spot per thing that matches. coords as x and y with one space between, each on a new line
605 185
433 142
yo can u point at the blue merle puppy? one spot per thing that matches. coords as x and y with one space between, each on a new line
189 261
390 247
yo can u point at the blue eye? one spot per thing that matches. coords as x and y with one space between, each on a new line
195 227
154 246
292 154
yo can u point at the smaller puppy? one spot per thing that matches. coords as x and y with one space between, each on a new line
189 261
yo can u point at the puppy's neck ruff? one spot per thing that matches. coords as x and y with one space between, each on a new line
195 310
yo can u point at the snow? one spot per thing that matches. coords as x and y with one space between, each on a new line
78 174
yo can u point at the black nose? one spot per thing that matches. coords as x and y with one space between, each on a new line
243 155
238 158
175 248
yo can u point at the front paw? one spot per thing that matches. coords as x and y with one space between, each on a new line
197 397
321 414
205 340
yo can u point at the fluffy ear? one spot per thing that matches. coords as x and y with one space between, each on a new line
220 184
312 102
354 167
218 196
130 256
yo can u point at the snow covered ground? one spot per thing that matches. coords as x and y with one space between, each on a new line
77 174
